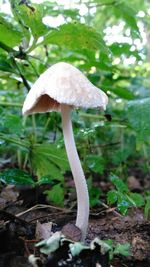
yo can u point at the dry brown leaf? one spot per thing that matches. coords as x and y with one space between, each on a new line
43 230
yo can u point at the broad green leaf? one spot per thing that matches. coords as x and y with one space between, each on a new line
56 194
122 92
51 244
123 49
32 15
52 152
122 249
43 167
112 196
75 36
95 163
12 124
76 248
137 199
119 184
120 48
123 203
138 114
9 34
45 180
16 177
16 141
121 155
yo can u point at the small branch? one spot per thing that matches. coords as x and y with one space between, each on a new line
25 82
107 207
12 217
40 206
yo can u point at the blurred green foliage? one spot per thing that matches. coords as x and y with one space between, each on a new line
123 197
109 41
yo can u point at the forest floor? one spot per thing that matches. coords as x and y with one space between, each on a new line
24 210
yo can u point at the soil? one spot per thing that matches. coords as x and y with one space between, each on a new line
19 213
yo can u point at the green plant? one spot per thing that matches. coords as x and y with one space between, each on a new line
123 198
107 43
75 248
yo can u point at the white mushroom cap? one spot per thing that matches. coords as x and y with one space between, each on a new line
63 84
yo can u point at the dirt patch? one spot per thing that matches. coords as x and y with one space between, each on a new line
17 235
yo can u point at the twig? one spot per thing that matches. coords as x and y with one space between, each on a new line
41 206
25 82
12 217
114 211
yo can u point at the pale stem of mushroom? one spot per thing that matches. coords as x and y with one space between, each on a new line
77 171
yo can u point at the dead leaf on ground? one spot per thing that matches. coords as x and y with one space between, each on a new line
43 230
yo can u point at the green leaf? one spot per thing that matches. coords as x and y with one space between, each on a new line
76 248
119 184
138 114
121 155
76 36
51 244
95 163
49 160
122 249
122 92
112 196
123 204
118 49
5 65
137 199
56 194
16 177
94 193
12 124
55 154
44 167
9 34
32 15
45 180
123 10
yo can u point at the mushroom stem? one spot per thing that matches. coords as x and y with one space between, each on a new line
77 171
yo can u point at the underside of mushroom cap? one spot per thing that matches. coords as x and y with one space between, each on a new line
63 84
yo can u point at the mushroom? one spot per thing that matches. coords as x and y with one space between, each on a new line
62 87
